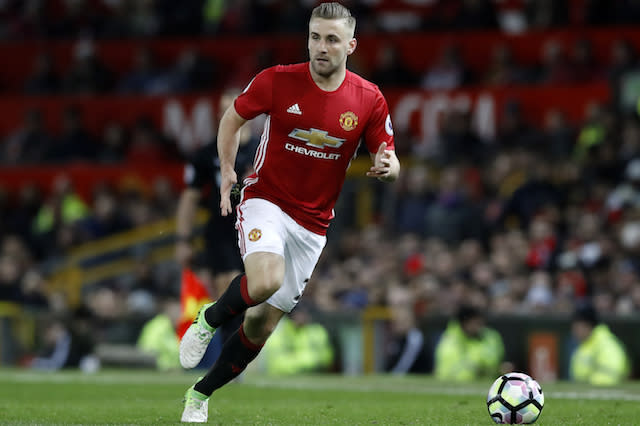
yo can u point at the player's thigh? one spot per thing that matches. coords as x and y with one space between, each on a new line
264 270
261 227
301 257
260 321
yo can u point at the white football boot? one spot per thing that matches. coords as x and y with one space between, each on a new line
196 407
195 341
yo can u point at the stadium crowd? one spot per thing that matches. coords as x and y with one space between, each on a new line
114 19
532 222
525 231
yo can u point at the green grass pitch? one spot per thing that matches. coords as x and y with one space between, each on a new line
131 397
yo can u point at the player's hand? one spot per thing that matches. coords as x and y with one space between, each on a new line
229 178
381 168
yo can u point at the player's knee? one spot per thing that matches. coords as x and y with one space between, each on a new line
264 286
258 327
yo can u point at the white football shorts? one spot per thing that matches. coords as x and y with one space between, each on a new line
263 226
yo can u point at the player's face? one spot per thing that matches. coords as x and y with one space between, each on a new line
330 42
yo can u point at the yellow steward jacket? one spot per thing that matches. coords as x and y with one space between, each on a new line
462 358
292 349
600 359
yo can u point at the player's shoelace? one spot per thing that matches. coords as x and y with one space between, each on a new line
203 334
193 402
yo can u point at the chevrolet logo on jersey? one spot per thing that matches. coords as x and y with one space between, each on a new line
316 138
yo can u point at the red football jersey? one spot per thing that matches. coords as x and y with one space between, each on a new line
309 138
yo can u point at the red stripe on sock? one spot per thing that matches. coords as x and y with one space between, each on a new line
245 340
244 291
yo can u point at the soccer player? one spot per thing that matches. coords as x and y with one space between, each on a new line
317 113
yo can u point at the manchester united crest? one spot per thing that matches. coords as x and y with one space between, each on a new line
348 120
255 234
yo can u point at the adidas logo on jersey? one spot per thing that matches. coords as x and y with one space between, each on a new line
294 109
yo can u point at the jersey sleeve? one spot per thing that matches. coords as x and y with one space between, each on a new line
379 128
256 97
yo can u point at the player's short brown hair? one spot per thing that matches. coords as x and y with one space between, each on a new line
334 10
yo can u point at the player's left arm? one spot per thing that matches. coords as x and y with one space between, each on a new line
379 138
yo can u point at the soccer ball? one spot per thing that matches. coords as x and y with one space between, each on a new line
515 398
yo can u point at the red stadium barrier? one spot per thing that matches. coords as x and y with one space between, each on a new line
191 120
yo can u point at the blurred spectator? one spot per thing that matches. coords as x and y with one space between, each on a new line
30 21
468 349
536 194
540 296
192 71
88 74
33 289
502 70
105 217
114 144
407 350
543 245
630 140
584 66
146 77
514 131
298 345
558 135
546 14
623 59
75 143
62 209
158 336
626 194
67 341
79 18
458 142
390 69
30 143
148 146
623 62
413 200
9 279
452 217
555 67
600 358
448 72
163 197
21 215
117 25
44 79
593 132
142 18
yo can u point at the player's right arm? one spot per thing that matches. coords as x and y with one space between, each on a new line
253 101
228 143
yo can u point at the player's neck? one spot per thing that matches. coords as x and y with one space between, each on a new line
331 82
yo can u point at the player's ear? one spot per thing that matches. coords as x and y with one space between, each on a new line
352 46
